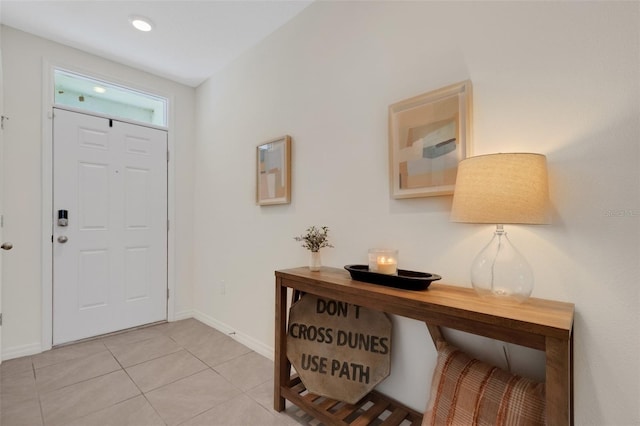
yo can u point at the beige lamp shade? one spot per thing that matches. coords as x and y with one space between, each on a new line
502 188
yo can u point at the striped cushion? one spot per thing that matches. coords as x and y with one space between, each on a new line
465 391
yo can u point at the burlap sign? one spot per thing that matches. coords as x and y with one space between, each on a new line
340 350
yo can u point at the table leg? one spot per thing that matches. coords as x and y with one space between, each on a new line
282 368
559 381
436 334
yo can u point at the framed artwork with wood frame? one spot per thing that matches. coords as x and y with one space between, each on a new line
429 135
273 183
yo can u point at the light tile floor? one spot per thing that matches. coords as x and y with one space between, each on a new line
179 373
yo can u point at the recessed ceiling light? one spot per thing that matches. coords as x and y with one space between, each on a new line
141 23
99 89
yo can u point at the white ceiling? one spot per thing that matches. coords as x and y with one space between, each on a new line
191 40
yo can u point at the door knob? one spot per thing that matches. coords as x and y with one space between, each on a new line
62 239
6 246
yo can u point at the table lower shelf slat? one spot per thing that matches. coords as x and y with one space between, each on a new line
374 409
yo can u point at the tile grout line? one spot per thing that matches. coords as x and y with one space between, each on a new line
150 359
97 339
208 367
40 394
72 384
144 395
35 385
123 369
172 334
107 349
177 380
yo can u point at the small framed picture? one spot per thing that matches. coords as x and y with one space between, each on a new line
428 136
273 172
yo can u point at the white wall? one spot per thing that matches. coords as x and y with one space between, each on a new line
559 78
23 56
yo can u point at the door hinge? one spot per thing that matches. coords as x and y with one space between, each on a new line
167 298
167 156
0 319
3 118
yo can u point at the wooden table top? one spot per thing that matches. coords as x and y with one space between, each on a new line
538 316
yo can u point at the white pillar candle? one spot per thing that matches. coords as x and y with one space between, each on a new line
387 265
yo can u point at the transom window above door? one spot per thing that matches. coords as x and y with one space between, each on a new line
85 93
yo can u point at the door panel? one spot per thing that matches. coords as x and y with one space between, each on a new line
93 196
137 283
111 273
137 187
93 279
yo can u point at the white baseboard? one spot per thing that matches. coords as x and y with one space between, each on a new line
18 351
177 316
248 341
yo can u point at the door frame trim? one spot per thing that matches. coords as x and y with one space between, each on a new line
48 103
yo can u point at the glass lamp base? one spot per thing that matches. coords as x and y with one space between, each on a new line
500 271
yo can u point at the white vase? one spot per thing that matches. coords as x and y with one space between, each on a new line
314 261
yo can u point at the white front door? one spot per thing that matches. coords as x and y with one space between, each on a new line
110 260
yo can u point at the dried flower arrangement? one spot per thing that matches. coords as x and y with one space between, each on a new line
315 238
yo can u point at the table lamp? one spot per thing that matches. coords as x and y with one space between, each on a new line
502 189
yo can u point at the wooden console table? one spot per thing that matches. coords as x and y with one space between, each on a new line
540 324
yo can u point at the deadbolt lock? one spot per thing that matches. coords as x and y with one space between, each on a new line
63 218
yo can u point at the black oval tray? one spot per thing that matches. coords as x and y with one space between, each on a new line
408 280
